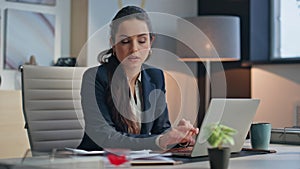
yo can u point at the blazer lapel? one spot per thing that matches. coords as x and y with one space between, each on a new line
149 104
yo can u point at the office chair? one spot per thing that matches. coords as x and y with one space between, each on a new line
51 106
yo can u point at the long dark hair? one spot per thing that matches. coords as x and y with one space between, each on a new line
126 13
119 95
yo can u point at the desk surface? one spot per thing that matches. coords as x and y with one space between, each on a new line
287 157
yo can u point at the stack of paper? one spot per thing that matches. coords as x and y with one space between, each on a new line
142 157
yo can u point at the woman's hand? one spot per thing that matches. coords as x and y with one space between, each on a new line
192 132
182 133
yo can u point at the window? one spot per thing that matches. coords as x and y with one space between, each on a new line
285 29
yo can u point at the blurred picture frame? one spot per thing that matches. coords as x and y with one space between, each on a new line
28 34
39 2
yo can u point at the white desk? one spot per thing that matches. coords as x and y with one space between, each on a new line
287 157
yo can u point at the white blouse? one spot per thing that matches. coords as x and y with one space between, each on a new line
135 101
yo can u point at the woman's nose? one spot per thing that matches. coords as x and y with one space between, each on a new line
134 46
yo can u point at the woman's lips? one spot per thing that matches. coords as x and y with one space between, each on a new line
133 58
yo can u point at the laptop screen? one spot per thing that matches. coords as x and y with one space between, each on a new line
235 113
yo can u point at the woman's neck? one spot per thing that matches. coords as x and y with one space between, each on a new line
132 74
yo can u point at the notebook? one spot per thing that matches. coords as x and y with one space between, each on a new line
235 113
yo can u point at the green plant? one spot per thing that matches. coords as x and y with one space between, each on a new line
218 135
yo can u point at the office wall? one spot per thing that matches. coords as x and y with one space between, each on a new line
100 13
278 87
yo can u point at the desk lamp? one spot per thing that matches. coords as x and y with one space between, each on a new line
209 39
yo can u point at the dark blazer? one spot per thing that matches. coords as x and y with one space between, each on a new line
100 130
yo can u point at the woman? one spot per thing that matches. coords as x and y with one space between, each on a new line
123 100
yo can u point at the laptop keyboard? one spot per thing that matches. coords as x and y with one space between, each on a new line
180 150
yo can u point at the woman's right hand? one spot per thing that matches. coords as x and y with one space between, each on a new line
184 132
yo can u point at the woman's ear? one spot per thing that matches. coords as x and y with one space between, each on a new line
112 45
111 42
152 38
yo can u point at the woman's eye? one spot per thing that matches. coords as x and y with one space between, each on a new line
142 40
125 41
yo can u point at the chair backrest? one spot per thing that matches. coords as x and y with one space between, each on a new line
51 106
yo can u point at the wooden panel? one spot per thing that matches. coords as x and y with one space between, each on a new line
14 140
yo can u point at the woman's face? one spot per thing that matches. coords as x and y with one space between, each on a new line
132 43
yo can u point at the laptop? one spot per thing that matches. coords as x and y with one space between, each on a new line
235 113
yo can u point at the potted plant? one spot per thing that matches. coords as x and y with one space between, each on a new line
219 138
